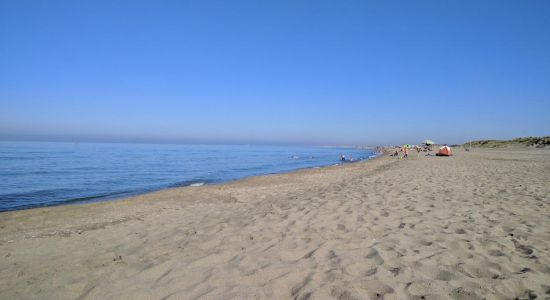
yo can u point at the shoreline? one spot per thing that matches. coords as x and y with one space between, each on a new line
142 200
470 226
193 183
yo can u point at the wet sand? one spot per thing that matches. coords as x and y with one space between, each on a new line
473 226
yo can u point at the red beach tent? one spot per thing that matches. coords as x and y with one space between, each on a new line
445 151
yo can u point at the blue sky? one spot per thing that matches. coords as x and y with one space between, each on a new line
321 72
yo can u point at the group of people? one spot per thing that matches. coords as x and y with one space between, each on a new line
343 157
405 150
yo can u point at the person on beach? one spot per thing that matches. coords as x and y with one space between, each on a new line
406 150
342 157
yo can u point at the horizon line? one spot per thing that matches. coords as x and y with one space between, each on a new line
190 142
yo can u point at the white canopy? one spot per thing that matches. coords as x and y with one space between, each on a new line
428 142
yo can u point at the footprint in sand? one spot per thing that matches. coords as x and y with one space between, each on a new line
496 252
426 243
526 250
371 272
395 271
375 256
445 275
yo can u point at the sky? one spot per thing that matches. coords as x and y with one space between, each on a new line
296 72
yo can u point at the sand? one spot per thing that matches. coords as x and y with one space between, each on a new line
473 226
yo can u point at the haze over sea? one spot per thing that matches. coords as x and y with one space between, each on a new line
34 174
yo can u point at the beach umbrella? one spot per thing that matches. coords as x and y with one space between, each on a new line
428 142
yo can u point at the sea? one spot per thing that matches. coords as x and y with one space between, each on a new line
36 174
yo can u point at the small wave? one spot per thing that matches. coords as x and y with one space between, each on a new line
45 193
188 183
24 203
95 197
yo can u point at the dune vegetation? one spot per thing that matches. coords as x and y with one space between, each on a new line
537 142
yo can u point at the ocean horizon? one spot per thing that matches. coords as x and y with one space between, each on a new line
38 174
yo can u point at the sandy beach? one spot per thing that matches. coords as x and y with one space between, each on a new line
472 226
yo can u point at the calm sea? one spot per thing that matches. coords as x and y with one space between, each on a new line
45 174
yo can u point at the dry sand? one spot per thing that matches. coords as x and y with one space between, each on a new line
472 226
